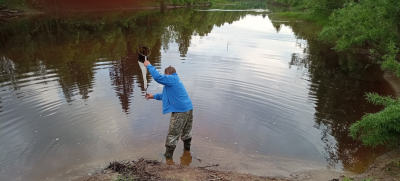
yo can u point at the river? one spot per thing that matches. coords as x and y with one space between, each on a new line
266 93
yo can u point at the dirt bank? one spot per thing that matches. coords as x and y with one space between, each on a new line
386 167
155 170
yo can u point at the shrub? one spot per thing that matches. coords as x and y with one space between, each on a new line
382 128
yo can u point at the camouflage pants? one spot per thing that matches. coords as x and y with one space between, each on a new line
180 125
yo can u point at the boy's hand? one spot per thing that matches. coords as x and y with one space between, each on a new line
149 96
146 63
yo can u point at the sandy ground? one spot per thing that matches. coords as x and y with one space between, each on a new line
386 167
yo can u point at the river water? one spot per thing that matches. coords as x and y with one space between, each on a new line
266 93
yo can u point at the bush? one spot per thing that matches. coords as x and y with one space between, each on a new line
382 128
369 24
325 6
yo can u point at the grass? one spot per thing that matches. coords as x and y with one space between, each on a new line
220 1
13 4
395 163
349 179
125 178
393 167
312 16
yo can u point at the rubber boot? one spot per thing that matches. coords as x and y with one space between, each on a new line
186 144
169 152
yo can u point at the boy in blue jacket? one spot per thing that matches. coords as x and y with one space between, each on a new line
175 100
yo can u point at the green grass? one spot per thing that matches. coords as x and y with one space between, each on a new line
125 178
315 17
219 1
13 4
349 179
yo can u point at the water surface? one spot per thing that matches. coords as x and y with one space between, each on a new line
72 92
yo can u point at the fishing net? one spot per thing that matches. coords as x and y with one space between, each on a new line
144 53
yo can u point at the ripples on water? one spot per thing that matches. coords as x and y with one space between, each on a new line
258 85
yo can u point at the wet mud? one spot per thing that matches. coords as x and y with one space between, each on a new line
386 167
147 169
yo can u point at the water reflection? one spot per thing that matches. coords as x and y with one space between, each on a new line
186 158
77 72
64 5
336 110
125 73
8 72
70 46
76 79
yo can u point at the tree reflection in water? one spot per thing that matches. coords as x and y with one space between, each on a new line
338 81
125 72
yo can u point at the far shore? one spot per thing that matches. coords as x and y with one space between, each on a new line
7 14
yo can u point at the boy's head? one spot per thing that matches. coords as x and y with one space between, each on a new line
169 70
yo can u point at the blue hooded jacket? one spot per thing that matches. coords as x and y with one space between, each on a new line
174 96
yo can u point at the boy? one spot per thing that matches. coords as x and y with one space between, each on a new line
175 100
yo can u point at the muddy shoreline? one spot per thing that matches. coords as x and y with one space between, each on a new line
147 169
384 168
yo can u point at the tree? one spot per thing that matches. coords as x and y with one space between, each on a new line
369 24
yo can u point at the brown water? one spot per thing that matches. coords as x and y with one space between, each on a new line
264 91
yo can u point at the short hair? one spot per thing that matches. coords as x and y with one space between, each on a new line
169 70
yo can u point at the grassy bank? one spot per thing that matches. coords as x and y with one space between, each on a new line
311 16
19 5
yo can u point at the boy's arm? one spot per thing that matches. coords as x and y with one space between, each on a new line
162 79
157 96
153 96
